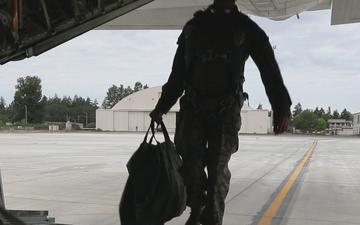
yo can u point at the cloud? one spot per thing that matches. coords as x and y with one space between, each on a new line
318 61
89 64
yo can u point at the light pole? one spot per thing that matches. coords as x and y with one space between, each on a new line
2 199
26 115
86 119
26 109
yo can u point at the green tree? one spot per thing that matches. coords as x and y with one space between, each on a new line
2 104
138 86
320 124
128 91
322 114
27 98
76 109
335 115
317 111
297 110
305 121
298 122
95 103
346 115
56 109
3 112
115 94
328 114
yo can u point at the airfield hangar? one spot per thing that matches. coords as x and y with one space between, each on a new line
356 123
131 114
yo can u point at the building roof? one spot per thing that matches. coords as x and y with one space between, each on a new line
145 100
338 121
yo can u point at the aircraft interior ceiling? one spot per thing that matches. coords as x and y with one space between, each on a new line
29 28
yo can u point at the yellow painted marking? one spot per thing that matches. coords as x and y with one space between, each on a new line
267 217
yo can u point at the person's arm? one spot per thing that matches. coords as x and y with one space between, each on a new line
262 53
175 85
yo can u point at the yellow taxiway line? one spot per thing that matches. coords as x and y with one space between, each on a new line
270 212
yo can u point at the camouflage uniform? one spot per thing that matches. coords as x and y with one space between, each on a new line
207 139
209 66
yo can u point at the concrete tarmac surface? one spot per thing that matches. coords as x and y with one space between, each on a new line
276 180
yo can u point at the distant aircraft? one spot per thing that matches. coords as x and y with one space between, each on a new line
29 28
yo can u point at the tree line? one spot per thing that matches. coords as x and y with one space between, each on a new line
116 93
309 121
30 106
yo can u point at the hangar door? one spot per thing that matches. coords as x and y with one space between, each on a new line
121 121
136 121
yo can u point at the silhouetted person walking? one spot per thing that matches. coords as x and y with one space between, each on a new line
209 68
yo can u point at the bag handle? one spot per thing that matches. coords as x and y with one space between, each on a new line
165 132
152 129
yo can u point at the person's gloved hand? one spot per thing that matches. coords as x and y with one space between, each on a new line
281 121
156 116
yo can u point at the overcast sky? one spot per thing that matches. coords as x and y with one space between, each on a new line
319 63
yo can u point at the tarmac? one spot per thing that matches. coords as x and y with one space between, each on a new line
276 180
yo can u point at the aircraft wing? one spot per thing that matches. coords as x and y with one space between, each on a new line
173 14
280 10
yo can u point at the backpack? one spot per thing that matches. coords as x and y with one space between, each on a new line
215 49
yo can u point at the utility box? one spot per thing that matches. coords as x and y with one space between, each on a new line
54 127
68 126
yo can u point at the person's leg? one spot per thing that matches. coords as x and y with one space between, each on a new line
190 142
223 142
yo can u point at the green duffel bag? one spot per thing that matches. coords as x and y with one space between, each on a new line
154 192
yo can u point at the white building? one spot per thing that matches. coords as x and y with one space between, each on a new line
340 127
356 123
132 114
255 121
